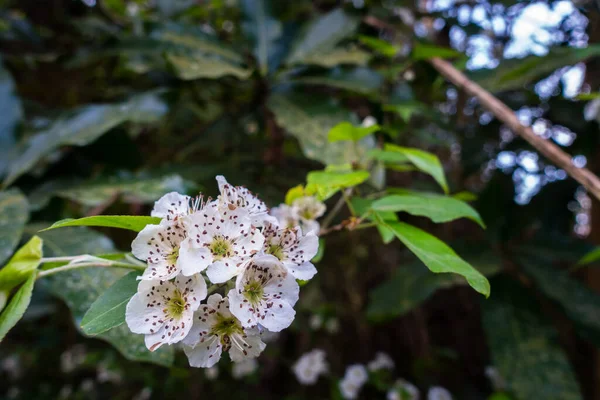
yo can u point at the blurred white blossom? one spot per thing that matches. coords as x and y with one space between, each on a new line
310 366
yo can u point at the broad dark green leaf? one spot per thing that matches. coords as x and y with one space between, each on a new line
347 131
83 126
16 306
426 162
108 311
524 345
263 29
131 222
580 303
413 283
196 66
337 179
21 265
132 189
515 73
321 35
81 287
340 56
14 212
423 51
10 104
406 109
437 255
359 79
309 119
434 206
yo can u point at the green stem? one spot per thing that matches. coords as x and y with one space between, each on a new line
346 195
365 226
70 267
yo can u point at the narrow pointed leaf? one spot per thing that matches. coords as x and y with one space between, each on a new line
437 255
16 307
426 162
131 222
22 264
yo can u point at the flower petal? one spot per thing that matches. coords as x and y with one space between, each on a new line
205 354
171 205
193 260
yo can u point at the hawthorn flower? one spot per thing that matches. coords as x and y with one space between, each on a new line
310 366
293 249
244 368
381 361
172 206
265 293
215 330
221 241
211 373
403 390
286 216
163 310
438 393
308 209
355 377
161 247
233 197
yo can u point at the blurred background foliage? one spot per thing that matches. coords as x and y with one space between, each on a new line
107 105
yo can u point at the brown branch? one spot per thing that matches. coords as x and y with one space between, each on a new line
563 160
501 111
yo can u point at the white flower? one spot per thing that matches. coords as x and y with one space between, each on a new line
349 389
308 209
368 121
356 373
265 293
221 240
315 322
233 197
163 310
393 394
216 330
293 249
211 373
381 361
495 378
404 390
172 206
244 368
438 393
591 110
286 216
310 366
161 247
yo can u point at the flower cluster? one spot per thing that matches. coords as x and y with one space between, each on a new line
310 366
234 242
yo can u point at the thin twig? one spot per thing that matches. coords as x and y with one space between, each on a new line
335 210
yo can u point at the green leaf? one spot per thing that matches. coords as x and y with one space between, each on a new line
321 35
339 56
426 162
515 73
388 156
14 212
83 126
436 207
405 109
131 222
16 307
437 255
133 189
413 283
580 303
320 251
337 179
199 65
294 193
309 119
81 287
381 46
590 257
264 30
108 311
22 264
360 80
422 51
12 112
525 347
347 131
362 206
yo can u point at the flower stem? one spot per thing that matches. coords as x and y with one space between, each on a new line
70 267
334 211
